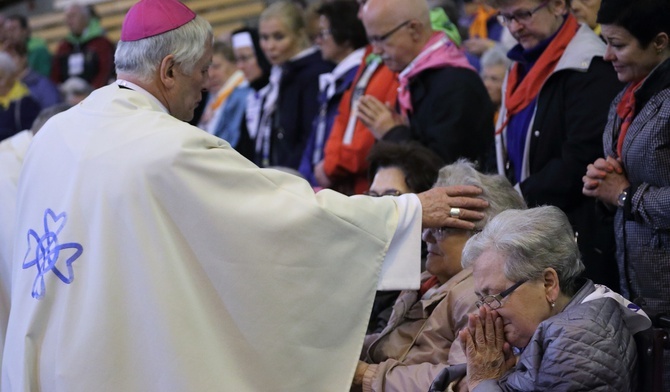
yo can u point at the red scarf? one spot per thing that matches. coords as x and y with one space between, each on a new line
427 285
626 111
519 95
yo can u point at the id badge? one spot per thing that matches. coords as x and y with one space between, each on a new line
75 64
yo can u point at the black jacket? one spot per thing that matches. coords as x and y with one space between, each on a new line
452 115
565 137
297 106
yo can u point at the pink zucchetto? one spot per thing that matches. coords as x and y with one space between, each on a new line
153 17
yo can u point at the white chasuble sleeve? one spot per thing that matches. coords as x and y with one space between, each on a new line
401 267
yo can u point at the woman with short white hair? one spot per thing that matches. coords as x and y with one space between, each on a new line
526 268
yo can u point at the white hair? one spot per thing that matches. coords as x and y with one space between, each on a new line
530 241
496 189
141 58
7 63
496 55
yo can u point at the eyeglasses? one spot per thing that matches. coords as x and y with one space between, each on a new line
495 301
388 192
441 233
244 59
323 33
379 39
521 16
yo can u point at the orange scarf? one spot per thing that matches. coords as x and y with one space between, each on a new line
625 109
519 95
231 84
478 26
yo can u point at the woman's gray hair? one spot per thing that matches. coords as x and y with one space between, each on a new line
496 189
530 241
7 64
141 58
496 55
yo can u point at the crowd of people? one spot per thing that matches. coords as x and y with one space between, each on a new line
36 79
472 191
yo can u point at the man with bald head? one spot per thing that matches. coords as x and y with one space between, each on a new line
443 104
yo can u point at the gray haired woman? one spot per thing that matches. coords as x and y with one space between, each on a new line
421 337
526 268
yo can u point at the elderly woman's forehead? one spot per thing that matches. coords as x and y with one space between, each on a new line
487 272
489 262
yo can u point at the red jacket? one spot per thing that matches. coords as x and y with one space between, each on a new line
346 165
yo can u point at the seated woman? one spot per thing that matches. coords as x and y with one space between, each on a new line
18 108
421 337
572 335
396 169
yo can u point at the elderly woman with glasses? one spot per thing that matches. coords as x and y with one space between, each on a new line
554 106
572 335
421 337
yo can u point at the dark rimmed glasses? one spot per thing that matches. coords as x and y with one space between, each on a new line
521 16
495 301
379 39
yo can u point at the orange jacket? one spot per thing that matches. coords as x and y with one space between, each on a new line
346 165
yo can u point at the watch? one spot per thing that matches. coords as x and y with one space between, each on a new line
621 199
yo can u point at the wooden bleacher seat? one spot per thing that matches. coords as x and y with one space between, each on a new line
223 15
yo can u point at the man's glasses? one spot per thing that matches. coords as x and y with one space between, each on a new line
521 16
389 192
379 39
495 301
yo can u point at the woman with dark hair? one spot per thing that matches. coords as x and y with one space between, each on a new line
634 176
397 168
341 39
250 59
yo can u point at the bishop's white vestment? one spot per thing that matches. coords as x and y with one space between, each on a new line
12 151
150 256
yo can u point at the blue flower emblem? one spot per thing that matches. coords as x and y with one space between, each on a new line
47 252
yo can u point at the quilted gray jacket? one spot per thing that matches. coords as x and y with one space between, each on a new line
643 226
586 347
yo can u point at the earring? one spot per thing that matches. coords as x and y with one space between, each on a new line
553 304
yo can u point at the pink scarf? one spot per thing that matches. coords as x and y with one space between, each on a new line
439 52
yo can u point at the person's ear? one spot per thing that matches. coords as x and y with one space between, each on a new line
558 7
167 71
416 29
661 42
552 287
